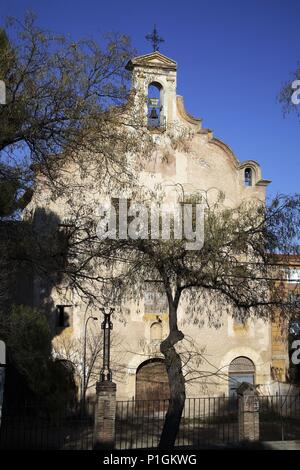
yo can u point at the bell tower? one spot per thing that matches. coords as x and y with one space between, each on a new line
154 80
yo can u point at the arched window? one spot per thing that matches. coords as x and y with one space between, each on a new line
155 105
241 369
156 332
248 177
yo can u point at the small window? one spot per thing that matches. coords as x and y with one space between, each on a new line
248 177
64 317
156 332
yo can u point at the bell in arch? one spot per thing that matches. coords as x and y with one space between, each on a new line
153 114
154 104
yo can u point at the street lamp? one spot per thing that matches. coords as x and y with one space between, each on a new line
84 356
106 326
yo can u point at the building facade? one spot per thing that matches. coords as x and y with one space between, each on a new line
187 159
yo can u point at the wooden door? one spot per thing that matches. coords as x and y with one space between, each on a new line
152 381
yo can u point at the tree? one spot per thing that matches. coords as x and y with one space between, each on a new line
65 114
71 349
65 99
14 195
289 94
293 342
236 267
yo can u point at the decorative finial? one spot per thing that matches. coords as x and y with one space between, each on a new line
155 39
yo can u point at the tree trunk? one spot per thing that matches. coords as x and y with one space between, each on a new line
176 383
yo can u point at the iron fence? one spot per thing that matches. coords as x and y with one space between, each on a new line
211 420
38 427
279 417
205 421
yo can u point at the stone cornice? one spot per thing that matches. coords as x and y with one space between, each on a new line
152 60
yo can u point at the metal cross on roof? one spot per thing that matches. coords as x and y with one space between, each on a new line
155 39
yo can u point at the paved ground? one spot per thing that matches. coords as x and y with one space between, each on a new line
265 445
282 445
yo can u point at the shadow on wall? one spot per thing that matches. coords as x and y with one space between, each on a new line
35 254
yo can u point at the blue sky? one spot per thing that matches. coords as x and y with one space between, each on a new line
233 57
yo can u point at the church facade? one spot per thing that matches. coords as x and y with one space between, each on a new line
187 160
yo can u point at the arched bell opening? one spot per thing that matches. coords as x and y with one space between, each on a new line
155 114
248 177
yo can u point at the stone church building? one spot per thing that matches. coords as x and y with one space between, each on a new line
227 355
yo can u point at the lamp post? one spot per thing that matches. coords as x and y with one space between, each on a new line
106 326
105 409
84 357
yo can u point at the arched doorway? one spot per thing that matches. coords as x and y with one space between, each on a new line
241 369
152 381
